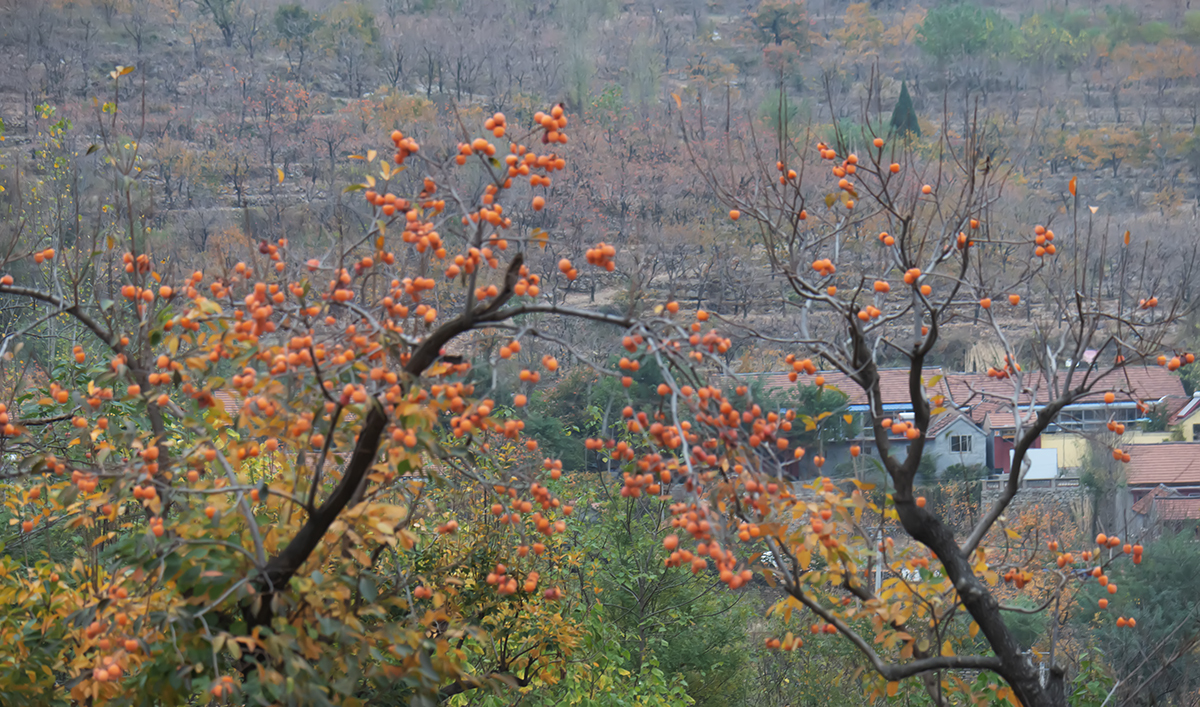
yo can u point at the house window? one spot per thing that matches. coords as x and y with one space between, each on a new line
960 443
1196 433
1085 419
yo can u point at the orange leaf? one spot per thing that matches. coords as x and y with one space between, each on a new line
1071 186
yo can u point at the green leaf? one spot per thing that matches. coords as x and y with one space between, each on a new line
68 495
368 587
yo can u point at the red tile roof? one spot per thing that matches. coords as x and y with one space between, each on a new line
1170 463
893 384
944 420
1135 383
1185 508
1130 384
941 422
1168 504
1140 383
1145 503
999 420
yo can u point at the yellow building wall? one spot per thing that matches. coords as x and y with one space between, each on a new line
1185 425
1072 448
1139 437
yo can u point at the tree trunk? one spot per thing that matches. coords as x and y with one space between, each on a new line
1018 668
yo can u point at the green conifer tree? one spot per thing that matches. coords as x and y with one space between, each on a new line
904 118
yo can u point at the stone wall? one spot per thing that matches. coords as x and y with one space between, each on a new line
1066 494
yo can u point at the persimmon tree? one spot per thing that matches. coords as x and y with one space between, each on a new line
293 489
880 249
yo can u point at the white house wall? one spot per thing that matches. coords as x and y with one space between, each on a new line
946 458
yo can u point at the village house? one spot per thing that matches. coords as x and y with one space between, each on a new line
975 424
1162 488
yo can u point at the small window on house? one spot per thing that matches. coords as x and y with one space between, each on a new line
960 443
1196 433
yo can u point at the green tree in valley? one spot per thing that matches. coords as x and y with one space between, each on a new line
960 30
904 116
295 27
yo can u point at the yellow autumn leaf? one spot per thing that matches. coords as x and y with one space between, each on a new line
892 688
279 173
973 629
947 649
